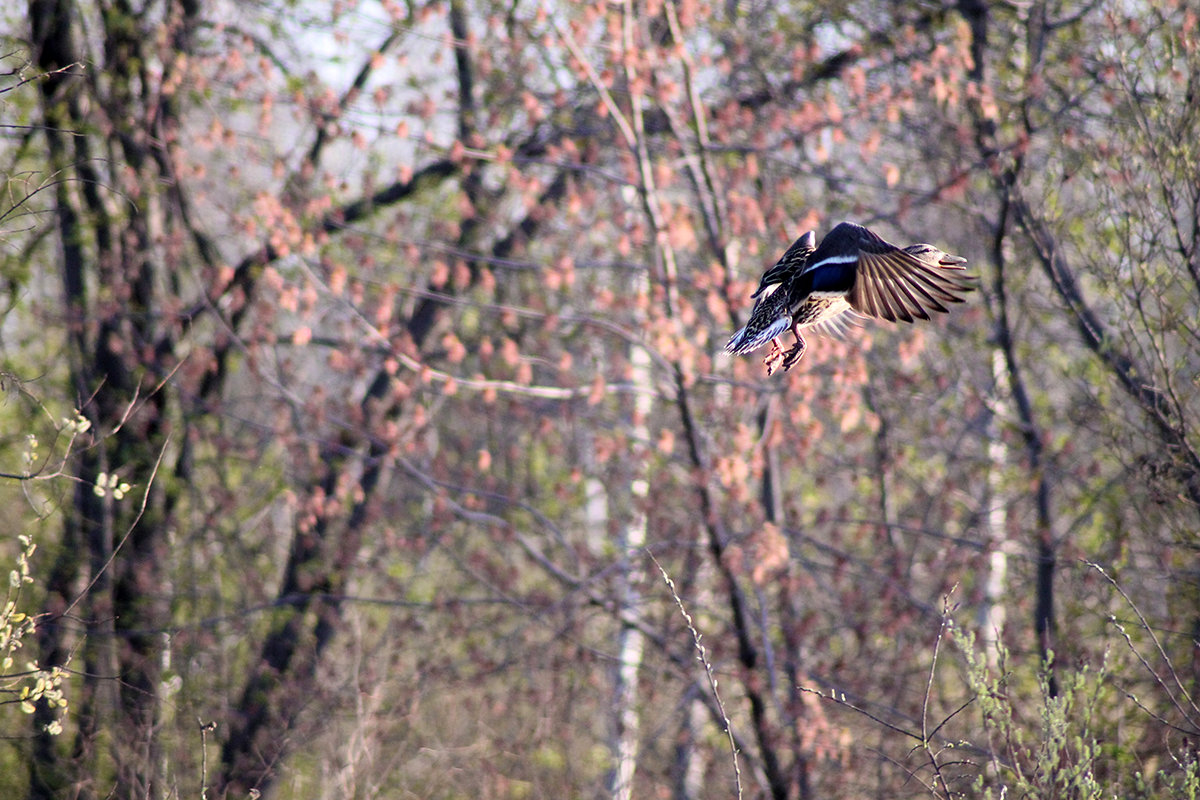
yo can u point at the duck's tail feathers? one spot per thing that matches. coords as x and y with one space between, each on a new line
753 337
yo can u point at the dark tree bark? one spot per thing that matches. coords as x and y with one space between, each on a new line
110 267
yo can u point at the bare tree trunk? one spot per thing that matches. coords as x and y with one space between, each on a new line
689 761
110 263
630 642
977 15
992 611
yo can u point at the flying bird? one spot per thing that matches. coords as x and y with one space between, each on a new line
852 272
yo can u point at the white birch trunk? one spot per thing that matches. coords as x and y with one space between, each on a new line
630 642
992 612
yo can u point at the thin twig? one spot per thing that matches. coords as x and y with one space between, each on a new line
1171 695
614 110
938 778
128 532
708 670
841 700
40 75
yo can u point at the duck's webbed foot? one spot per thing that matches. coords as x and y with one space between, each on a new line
773 357
793 356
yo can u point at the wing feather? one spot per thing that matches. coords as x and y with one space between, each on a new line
895 284
791 263
837 326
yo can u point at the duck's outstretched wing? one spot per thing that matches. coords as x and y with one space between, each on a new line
884 281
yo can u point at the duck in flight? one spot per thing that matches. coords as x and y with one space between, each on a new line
853 271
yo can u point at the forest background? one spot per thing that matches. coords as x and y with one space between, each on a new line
363 388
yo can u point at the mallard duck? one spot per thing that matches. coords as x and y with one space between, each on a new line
853 271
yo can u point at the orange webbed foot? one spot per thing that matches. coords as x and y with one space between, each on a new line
773 358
